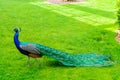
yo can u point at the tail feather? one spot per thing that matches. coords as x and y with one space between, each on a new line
68 59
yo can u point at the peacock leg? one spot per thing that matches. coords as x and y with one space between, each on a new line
37 61
29 61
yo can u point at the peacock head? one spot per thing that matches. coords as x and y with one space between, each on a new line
17 29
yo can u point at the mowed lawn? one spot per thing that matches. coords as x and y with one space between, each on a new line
88 27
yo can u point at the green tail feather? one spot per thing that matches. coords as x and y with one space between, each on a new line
75 59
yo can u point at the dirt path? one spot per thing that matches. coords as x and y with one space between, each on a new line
65 1
118 36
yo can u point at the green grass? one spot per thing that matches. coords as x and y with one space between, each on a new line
118 12
74 28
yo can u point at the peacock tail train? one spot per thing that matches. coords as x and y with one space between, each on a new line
69 59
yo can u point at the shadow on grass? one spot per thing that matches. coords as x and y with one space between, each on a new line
53 63
58 64
103 13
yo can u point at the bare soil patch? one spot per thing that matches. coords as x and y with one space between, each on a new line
65 1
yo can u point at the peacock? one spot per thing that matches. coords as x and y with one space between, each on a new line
67 59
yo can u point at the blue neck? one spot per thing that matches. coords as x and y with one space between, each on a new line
17 43
16 40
